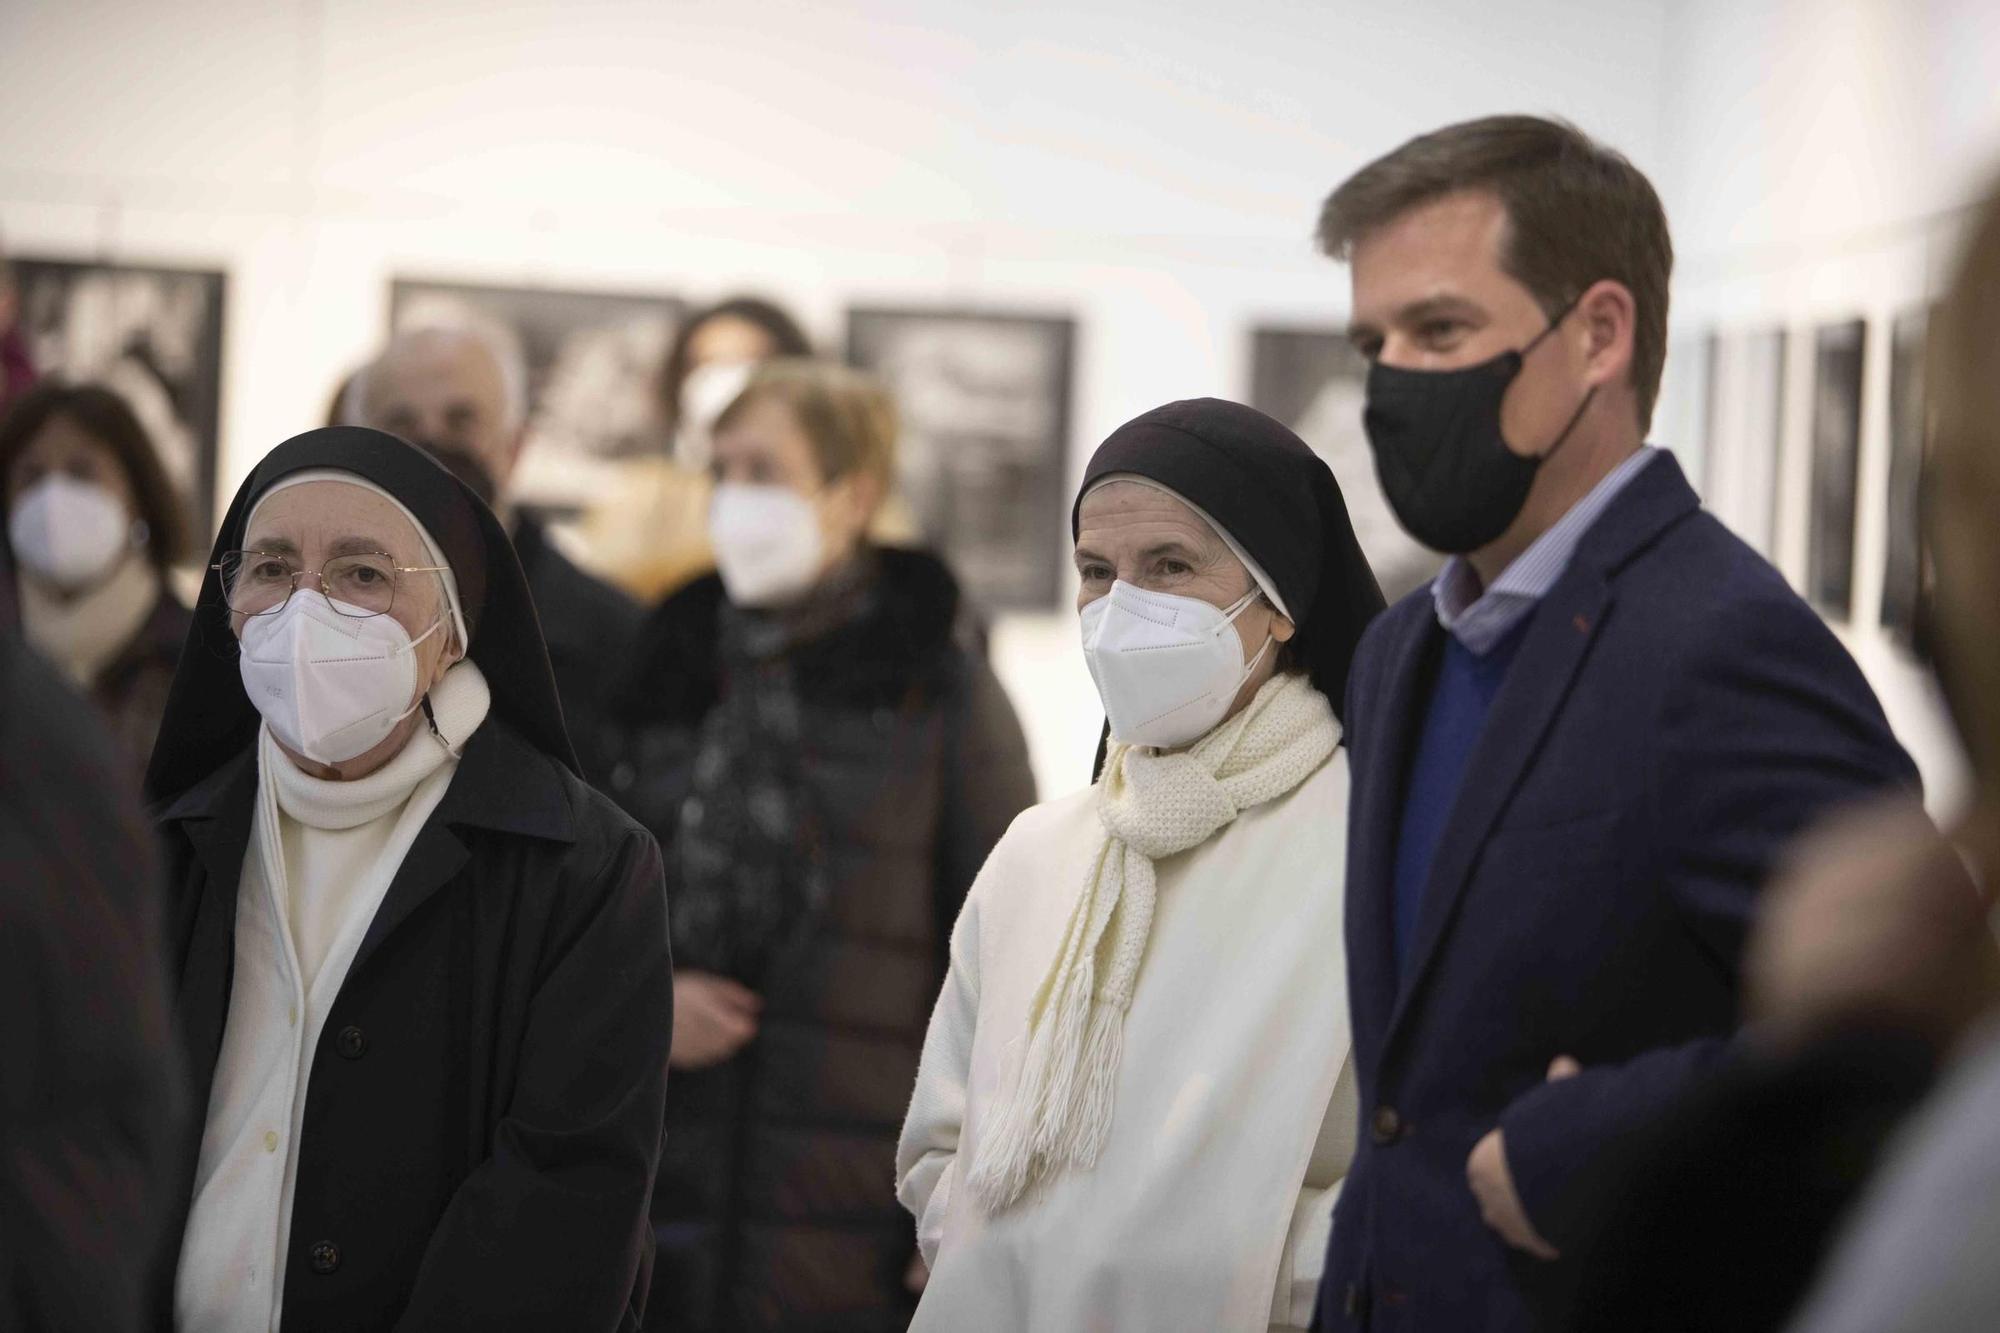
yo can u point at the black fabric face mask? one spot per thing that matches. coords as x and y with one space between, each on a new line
1453 482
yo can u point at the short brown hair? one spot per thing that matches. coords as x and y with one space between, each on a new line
1577 213
848 415
104 416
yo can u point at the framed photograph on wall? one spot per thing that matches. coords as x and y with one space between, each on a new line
152 334
1314 381
1905 573
985 405
592 359
1769 357
1745 426
1838 350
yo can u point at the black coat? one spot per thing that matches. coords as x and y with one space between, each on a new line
776 1204
90 1108
588 626
483 1112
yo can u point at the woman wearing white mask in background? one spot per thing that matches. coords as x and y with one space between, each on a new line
421 969
1133 1112
650 536
826 765
93 526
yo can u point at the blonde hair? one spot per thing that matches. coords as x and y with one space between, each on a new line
847 415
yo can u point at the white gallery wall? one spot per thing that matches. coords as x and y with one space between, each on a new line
1153 169
1153 173
1816 157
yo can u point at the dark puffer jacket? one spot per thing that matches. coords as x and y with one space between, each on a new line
884 762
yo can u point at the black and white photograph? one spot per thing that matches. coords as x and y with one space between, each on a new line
985 405
592 360
1838 350
1765 356
152 334
1744 424
1314 381
1905 572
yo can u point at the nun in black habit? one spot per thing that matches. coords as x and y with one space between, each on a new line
1133 1111
421 969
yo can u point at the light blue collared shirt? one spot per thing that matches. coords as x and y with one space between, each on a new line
1477 619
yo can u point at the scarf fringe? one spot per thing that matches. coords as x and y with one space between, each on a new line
1059 1088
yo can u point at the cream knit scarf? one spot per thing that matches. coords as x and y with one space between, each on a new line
1054 1107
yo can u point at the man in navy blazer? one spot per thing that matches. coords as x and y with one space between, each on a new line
1576 756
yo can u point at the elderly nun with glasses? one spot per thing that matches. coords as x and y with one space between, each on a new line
422 970
1133 1112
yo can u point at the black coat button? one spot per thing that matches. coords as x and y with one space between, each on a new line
1385 1126
325 1256
351 1043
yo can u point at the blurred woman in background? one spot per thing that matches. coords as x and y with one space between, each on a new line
712 358
93 526
826 767
651 537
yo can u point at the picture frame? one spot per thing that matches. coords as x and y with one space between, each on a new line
984 399
151 333
592 359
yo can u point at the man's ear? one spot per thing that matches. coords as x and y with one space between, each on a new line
1609 317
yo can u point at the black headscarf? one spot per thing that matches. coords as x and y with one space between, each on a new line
209 720
1276 500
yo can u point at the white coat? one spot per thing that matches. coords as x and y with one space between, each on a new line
1210 1204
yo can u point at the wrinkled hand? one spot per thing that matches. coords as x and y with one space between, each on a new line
1876 918
1493 1183
714 1018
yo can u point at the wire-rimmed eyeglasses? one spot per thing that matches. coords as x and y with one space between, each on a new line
257 583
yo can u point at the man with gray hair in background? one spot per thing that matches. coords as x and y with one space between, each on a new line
459 392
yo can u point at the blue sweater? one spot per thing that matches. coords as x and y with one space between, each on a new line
1460 699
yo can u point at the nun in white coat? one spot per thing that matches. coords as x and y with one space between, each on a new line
1133 1112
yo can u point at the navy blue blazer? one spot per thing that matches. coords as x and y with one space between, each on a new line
1675 716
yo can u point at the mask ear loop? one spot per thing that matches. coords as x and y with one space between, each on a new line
1563 437
424 700
1249 600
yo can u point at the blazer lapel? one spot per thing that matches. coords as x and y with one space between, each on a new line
1376 812
1559 637
1566 623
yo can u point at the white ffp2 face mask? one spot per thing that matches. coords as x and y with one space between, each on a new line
1167 667
767 540
69 532
705 392
330 686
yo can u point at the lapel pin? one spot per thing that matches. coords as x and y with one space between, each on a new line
1582 623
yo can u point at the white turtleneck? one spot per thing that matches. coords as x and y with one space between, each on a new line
322 855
